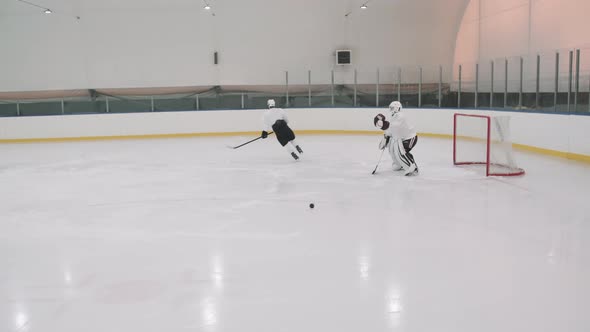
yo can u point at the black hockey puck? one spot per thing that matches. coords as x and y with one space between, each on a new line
311 205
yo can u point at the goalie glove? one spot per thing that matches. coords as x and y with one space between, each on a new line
380 122
384 142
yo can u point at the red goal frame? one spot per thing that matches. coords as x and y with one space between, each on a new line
488 119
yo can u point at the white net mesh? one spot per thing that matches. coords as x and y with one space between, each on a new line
473 134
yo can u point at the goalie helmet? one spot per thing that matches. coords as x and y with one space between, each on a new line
395 107
270 103
380 122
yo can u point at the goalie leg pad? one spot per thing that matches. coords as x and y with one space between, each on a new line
402 158
397 163
409 144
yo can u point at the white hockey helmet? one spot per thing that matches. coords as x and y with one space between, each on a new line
395 107
270 103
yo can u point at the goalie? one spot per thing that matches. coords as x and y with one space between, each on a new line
399 137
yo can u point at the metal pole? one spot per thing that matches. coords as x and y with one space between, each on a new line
459 90
577 89
520 84
152 103
332 88
197 101
399 84
286 88
569 84
243 103
556 81
492 84
309 88
377 90
439 86
17 108
419 87
63 108
538 84
108 107
355 82
476 84
505 82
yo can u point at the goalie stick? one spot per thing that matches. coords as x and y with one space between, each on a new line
376 166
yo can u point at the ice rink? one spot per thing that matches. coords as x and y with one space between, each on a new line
188 235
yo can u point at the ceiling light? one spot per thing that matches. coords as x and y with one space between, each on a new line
48 11
364 6
207 7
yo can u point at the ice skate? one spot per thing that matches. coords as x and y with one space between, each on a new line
412 171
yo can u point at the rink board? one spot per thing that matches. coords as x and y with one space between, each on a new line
552 134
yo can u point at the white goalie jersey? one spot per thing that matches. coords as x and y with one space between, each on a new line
399 128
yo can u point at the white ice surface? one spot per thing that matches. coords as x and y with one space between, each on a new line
187 235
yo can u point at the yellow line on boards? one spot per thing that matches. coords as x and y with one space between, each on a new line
529 148
153 136
123 137
554 153
339 132
435 135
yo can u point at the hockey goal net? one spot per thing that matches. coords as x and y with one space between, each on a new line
484 140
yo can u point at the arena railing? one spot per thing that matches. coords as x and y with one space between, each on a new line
548 82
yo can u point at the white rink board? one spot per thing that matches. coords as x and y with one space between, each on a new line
565 133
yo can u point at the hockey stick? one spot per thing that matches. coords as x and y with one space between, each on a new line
375 170
239 146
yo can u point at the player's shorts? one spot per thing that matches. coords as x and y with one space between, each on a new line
283 132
